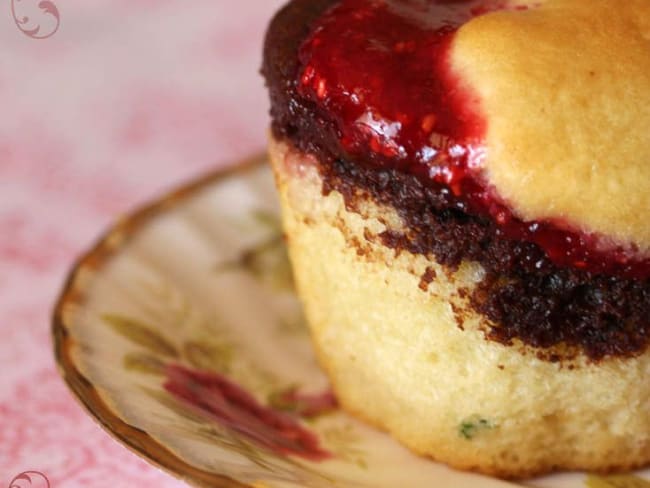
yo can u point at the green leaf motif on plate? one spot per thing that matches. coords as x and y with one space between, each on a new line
143 363
140 334
622 481
295 326
209 356
267 219
267 261
163 398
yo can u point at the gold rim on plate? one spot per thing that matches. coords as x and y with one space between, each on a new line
75 293
109 244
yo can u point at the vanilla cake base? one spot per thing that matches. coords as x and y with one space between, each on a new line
410 355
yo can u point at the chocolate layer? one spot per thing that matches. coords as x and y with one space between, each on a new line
528 296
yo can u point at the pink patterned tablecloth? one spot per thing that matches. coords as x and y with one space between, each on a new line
126 99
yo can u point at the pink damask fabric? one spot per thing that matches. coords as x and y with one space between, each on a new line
104 104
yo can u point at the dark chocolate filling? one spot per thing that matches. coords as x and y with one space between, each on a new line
524 293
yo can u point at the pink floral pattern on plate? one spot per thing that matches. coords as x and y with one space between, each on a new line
66 172
200 344
234 408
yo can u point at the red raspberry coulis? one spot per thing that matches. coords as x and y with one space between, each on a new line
381 70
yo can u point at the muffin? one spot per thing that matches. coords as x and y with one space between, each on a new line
465 188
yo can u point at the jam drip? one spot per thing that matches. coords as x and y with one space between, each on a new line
380 71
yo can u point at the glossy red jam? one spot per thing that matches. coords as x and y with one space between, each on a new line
381 69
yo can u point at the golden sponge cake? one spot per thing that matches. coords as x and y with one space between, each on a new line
465 191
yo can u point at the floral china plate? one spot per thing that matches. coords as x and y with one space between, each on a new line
180 333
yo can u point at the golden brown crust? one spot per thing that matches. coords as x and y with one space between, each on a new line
565 88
